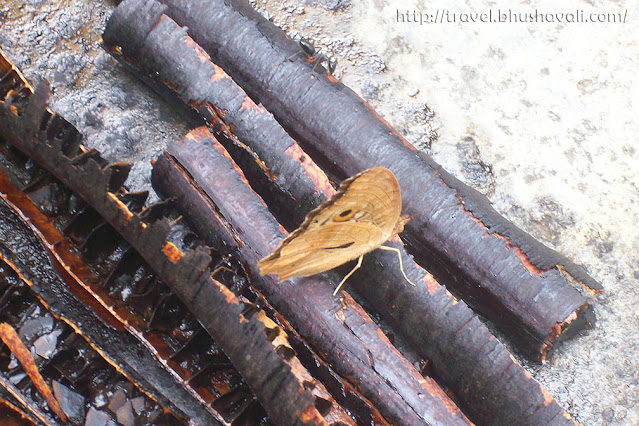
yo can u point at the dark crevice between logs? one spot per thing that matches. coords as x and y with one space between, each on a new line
68 212
449 334
127 286
342 333
288 401
496 267
169 178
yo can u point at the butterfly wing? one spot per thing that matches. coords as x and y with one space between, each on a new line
372 196
363 213
321 249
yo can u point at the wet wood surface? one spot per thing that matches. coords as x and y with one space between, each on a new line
450 335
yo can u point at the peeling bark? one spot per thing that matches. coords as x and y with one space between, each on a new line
46 291
162 55
342 333
274 379
464 353
500 270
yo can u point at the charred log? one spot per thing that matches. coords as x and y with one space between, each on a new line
170 179
334 329
521 285
464 353
80 376
161 54
284 393
222 97
95 323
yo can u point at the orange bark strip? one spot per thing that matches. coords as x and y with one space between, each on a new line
22 354
172 252
68 265
345 136
123 206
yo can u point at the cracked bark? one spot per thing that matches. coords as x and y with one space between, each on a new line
285 397
454 232
464 352
306 302
162 52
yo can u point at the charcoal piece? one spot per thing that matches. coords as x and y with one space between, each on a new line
276 380
158 50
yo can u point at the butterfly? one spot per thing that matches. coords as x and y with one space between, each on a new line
363 214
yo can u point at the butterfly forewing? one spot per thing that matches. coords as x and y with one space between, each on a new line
357 219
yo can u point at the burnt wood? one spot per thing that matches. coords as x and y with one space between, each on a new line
338 330
463 352
159 52
34 248
500 270
127 298
276 378
21 248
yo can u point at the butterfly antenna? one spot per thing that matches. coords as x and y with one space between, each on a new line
359 263
401 264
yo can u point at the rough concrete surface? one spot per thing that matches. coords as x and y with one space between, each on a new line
537 115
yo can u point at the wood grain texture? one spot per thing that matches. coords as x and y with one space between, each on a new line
464 353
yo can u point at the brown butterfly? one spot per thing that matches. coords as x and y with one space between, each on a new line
363 214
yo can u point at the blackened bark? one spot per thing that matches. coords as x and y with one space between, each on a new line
342 333
159 52
275 379
497 268
464 353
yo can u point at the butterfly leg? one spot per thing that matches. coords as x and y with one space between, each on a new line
359 263
401 265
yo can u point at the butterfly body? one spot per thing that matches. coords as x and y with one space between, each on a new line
363 214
